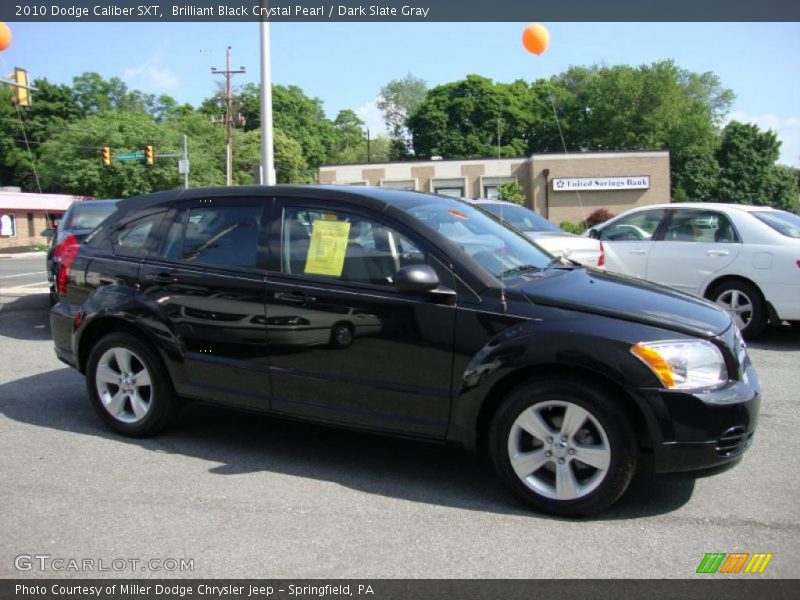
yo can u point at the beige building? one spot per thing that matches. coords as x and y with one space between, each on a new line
24 216
562 187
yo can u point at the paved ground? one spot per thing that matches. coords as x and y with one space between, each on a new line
23 273
251 496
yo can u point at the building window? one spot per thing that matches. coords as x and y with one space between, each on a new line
8 225
399 184
490 186
31 233
456 186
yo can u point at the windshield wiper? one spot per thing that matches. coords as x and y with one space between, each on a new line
520 269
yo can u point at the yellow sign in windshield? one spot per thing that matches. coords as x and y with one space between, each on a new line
327 248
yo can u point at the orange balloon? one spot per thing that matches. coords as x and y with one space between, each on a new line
535 38
5 36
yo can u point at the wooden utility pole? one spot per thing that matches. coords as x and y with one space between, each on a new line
228 73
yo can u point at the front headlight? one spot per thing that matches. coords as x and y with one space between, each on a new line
683 364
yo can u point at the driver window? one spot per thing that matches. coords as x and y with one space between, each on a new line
344 246
638 227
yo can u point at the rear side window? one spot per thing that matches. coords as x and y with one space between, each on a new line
224 236
700 226
131 238
783 222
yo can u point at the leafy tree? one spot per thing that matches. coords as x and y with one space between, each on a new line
70 163
460 119
290 166
52 110
349 133
748 173
398 100
512 191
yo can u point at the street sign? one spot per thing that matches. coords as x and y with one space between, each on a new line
183 166
130 156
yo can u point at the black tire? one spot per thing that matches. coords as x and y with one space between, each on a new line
603 486
756 319
342 335
161 400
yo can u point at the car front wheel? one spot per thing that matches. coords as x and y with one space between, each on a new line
129 387
563 447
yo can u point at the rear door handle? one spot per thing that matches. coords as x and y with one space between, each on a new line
637 251
717 252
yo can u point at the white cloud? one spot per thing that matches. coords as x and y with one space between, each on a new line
372 117
787 128
151 77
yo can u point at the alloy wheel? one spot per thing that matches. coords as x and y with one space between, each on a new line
559 450
124 385
738 305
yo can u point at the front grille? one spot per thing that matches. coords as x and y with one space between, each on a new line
733 441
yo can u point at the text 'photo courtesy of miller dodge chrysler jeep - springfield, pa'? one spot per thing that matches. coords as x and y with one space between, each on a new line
349 306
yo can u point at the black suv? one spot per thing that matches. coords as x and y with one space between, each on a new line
409 314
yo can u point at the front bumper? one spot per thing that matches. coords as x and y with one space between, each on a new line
704 432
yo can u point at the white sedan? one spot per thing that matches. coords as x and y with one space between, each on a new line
553 239
744 258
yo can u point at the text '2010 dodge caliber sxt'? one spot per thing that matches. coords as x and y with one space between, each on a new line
350 306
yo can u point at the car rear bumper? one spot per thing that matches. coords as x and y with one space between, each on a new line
705 432
62 325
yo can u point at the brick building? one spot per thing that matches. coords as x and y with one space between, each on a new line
24 216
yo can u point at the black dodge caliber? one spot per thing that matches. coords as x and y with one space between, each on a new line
407 314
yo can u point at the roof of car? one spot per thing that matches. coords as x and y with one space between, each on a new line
367 195
709 205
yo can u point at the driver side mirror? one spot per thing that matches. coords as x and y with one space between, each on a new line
594 234
49 232
419 279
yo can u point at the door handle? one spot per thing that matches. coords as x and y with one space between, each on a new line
160 277
637 251
294 297
717 252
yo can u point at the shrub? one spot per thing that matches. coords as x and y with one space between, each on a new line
511 191
601 215
569 227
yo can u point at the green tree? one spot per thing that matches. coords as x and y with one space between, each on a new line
460 119
398 100
512 192
52 110
290 166
748 172
70 162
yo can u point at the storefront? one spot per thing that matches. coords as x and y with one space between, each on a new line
24 216
562 187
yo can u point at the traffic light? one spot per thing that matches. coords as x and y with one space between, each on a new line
149 155
105 155
22 95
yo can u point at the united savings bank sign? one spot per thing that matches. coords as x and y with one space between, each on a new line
595 184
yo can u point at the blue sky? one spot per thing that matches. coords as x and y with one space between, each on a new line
345 64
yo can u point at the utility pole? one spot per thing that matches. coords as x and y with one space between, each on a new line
228 73
267 150
369 154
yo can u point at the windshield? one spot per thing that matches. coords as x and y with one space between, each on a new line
783 222
497 248
520 217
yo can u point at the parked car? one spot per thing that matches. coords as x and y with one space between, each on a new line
78 221
567 377
744 258
549 236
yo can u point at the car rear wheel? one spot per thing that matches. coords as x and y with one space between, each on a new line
743 303
129 387
342 335
563 447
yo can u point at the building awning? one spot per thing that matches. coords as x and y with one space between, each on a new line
22 201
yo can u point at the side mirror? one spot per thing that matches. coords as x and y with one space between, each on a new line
49 232
416 279
594 234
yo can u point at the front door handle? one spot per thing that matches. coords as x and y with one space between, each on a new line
717 252
294 297
637 251
160 277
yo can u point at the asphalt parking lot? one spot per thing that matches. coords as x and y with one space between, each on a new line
248 496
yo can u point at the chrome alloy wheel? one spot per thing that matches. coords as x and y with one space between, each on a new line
738 305
123 384
559 450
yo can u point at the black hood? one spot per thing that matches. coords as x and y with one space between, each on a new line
626 298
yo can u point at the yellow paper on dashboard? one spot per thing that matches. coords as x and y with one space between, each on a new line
327 248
